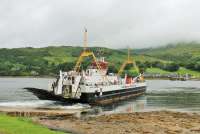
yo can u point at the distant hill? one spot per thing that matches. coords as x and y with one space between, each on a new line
180 52
186 55
49 60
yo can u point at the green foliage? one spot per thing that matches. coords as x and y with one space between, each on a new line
193 64
49 60
184 54
131 73
172 67
112 69
142 66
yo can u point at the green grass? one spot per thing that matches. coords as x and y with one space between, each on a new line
157 70
16 125
184 71
181 71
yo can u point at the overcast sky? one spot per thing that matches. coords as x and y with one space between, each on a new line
110 23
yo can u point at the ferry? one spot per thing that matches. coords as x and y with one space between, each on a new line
95 85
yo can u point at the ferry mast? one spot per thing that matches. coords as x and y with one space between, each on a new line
85 53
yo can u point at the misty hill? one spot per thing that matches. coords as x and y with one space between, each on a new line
180 52
49 60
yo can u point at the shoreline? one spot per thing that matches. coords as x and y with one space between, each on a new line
52 77
72 121
155 122
32 112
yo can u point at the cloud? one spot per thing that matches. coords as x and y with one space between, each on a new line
110 23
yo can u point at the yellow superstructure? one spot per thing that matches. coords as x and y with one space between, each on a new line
128 62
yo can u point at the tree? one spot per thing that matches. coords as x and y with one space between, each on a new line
112 69
171 67
197 66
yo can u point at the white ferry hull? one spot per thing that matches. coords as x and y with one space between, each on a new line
112 96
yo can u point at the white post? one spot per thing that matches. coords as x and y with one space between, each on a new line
125 77
59 91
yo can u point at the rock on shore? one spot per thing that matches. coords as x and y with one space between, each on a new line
159 122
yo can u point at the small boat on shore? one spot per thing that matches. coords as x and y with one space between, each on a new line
95 85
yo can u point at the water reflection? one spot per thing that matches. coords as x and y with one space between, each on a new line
161 94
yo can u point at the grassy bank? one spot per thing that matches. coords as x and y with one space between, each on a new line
16 125
181 71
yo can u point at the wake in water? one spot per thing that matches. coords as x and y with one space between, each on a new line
43 104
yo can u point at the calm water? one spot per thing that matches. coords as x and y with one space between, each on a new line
160 95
